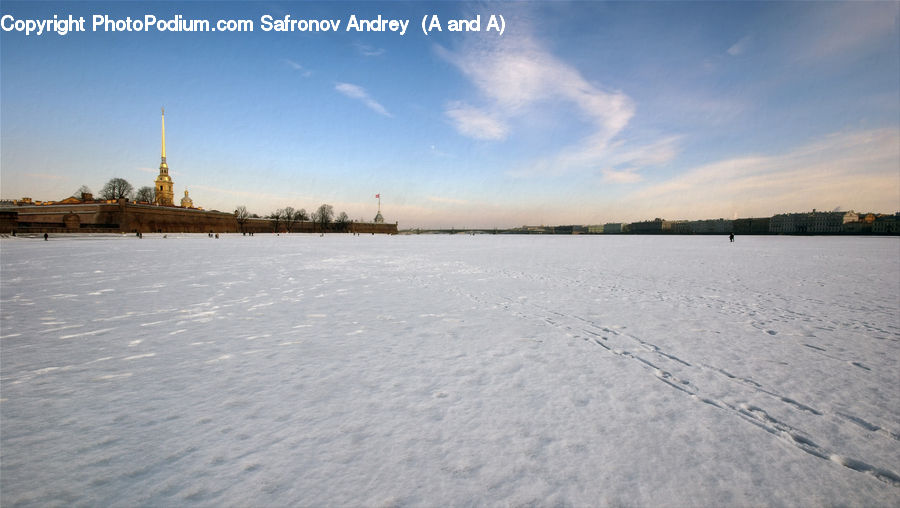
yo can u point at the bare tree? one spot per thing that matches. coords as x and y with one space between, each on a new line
241 215
146 193
302 216
289 216
117 188
275 217
342 221
323 216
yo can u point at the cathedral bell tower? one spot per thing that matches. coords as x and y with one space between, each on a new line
165 193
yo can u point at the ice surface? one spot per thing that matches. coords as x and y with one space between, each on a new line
449 370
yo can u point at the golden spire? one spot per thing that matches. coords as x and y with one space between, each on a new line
164 186
163 163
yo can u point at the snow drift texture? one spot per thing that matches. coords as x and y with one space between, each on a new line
497 370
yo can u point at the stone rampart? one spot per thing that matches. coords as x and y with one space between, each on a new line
127 217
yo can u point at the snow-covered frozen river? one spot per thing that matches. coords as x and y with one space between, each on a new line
449 370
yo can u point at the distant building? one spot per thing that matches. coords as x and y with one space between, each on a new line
595 229
613 228
811 222
86 197
886 224
650 227
681 227
867 218
186 201
711 227
862 226
751 226
568 230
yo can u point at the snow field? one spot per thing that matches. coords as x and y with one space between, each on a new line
449 370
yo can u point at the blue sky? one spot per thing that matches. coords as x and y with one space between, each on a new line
582 112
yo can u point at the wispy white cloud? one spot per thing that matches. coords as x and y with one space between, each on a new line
366 50
739 47
655 153
297 67
518 77
517 73
618 161
360 93
624 176
475 123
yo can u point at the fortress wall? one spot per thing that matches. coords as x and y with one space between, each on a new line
88 217
8 221
373 228
164 219
268 226
132 218
92 213
118 217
